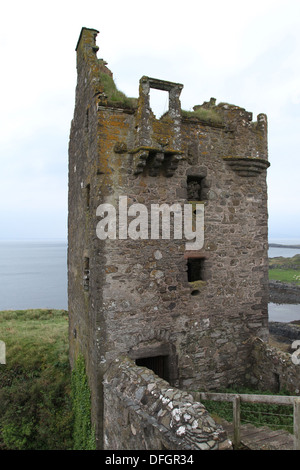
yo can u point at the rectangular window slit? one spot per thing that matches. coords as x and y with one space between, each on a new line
88 195
87 119
86 274
195 269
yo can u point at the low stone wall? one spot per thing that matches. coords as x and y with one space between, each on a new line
287 331
143 412
283 293
273 370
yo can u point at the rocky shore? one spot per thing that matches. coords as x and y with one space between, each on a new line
282 293
289 331
283 335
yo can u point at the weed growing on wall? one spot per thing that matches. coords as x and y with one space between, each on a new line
206 115
83 432
114 95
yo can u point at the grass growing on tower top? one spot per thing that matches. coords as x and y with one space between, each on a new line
207 115
114 95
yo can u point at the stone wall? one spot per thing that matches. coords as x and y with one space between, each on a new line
286 332
142 411
273 370
83 147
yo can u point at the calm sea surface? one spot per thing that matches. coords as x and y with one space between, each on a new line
33 274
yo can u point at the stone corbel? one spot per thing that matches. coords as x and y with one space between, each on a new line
154 159
247 166
139 160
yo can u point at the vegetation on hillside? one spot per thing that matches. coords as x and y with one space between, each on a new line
38 410
285 269
35 406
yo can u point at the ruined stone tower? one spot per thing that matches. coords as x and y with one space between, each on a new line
188 316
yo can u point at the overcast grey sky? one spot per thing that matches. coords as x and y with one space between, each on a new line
245 53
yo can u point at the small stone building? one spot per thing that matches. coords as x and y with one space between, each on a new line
188 315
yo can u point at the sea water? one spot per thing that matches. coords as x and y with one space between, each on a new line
33 274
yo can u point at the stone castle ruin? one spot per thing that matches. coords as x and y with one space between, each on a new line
153 320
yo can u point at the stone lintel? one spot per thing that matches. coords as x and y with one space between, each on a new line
161 84
155 149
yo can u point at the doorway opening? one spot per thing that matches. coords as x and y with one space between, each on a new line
158 364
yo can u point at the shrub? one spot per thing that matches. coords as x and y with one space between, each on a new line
35 383
258 414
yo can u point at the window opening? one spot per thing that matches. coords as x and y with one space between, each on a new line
88 195
194 188
86 274
277 382
87 119
159 102
158 364
195 269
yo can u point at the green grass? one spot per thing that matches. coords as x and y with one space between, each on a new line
206 115
114 95
35 383
285 269
285 275
34 337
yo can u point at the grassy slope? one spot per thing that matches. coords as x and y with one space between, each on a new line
34 337
285 269
35 405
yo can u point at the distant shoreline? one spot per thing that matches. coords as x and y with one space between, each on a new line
278 245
